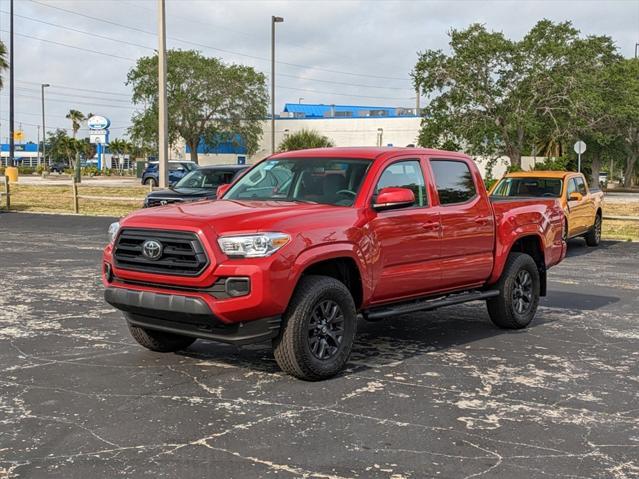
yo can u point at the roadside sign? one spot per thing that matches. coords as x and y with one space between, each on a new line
18 135
97 139
580 147
98 122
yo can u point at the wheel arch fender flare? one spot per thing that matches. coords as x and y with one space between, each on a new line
521 239
335 251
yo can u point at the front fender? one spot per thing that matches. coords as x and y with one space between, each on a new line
337 250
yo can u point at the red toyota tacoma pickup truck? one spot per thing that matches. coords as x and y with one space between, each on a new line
305 242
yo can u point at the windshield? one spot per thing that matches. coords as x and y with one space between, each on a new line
332 181
536 187
209 179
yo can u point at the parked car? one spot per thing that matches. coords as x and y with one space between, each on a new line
583 206
305 241
57 167
177 169
603 181
198 184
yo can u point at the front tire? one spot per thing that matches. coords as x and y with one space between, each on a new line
151 182
519 286
593 238
160 341
318 331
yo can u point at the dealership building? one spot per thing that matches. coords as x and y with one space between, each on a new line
344 125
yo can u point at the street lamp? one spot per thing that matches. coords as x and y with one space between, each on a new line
44 128
299 100
274 20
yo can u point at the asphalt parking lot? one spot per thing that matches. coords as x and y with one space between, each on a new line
440 394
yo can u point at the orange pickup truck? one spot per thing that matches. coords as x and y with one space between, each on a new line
583 206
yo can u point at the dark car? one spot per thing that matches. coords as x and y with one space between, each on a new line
58 167
177 169
199 184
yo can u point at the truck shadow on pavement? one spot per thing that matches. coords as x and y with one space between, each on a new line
578 247
380 344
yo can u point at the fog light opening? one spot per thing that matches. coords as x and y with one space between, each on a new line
237 287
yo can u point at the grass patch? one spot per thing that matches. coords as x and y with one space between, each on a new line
621 209
620 230
59 199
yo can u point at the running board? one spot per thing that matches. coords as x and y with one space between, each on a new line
427 304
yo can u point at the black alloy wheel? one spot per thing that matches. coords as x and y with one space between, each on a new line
325 329
522 292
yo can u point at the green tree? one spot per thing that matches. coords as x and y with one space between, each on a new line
3 61
304 139
207 101
76 117
495 97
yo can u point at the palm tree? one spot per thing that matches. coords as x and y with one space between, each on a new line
76 117
305 139
3 60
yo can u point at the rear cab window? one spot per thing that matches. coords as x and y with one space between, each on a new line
453 180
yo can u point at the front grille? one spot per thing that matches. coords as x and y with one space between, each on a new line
182 253
150 202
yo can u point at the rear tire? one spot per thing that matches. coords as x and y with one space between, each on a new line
519 286
318 331
160 341
593 238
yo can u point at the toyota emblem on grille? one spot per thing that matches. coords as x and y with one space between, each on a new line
152 249
163 202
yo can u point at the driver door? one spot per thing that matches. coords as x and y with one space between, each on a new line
407 239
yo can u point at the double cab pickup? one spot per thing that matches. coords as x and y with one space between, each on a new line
306 242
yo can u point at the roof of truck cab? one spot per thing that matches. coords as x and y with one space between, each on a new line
366 152
540 174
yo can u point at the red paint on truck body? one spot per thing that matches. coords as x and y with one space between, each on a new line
400 254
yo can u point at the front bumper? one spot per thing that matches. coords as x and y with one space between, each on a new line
187 315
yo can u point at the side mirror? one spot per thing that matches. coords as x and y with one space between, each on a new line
575 196
392 198
222 189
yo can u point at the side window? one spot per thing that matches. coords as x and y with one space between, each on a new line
581 186
571 187
405 174
454 181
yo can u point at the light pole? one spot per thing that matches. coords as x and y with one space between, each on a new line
636 47
299 100
274 20
44 128
163 115
12 145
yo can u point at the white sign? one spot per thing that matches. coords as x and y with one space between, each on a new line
97 139
97 122
580 147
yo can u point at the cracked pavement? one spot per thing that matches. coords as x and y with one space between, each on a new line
438 394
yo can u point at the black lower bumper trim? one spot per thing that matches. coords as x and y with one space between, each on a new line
186 315
165 306
240 333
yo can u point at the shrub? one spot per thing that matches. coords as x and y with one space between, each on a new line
305 139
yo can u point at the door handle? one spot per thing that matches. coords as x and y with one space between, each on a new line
480 220
431 225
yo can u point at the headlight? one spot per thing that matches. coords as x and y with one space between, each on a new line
254 245
113 231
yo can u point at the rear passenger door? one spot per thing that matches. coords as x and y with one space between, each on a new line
467 224
408 238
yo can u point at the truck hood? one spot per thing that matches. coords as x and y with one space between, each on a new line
229 216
